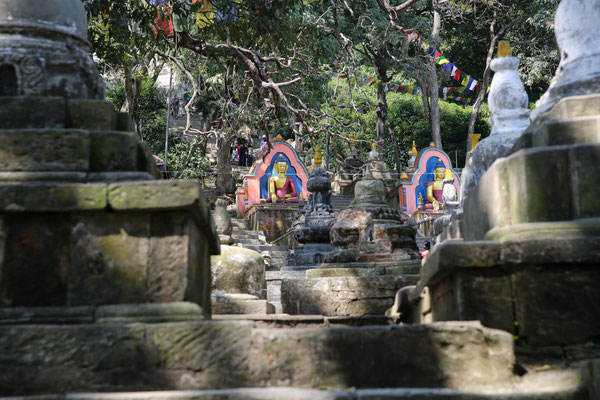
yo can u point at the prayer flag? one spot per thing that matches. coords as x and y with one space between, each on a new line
454 69
400 89
472 84
448 66
457 75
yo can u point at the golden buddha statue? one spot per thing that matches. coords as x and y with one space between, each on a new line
435 187
281 187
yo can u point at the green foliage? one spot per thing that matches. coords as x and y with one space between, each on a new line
408 121
198 165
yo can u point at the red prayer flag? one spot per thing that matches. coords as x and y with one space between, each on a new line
164 24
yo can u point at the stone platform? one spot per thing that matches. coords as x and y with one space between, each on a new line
348 289
528 259
67 244
135 354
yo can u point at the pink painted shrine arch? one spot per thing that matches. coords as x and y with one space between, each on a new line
255 183
416 183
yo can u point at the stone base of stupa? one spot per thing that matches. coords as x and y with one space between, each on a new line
82 220
528 261
348 289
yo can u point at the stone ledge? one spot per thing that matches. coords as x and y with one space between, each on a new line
558 250
38 359
149 313
120 313
42 112
571 107
452 254
91 114
44 150
152 195
371 264
537 185
60 197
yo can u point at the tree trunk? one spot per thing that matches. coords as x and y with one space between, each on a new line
381 115
434 106
225 183
436 134
484 84
394 138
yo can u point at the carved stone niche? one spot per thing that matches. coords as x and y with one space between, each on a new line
44 50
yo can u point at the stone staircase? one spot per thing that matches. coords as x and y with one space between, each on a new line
340 202
254 240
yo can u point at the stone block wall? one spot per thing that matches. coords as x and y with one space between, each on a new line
89 244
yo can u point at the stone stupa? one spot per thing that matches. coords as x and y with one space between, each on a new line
83 221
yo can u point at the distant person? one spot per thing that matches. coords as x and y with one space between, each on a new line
175 106
425 252
242 152
263 142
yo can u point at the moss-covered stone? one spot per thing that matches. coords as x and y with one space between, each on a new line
586 180
91 114
540 185
44 150
238 270
58 197
42 112
156 195
113 151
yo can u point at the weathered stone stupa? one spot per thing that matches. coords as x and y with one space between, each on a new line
370 230
82 220
528 261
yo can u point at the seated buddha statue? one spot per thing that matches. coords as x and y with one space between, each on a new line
435 188
281 187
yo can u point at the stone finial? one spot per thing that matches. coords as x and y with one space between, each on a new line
413 150
578 40
318 156
474 139
403 176
373 154
279 138
509 117
431 144
352 141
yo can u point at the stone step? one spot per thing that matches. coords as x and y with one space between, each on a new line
245 235
244 241
289 393
272 249
42 359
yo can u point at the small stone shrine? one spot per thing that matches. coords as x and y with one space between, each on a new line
313 232
421 190
274 190
528 259
374 254
343 179
509 117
